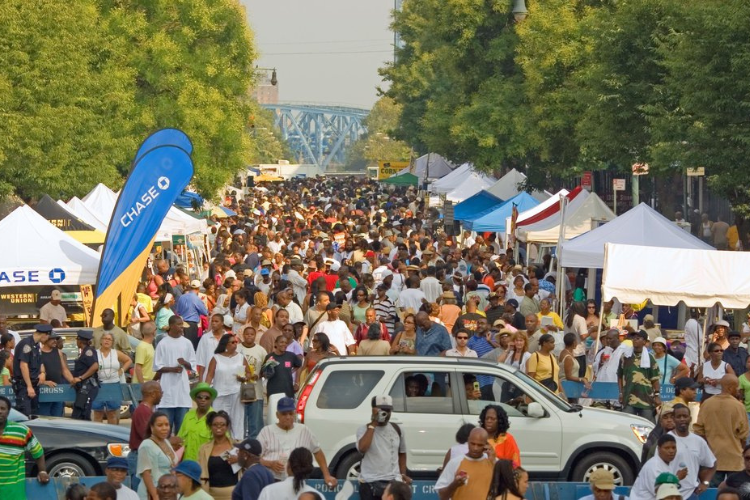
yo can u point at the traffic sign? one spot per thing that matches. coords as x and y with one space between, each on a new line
696 172
618 184
640 168
587 180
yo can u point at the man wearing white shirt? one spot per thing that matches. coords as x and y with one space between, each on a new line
430 286
693 338
207 344
299 284
338 333
663 461
174 357
284 301
412 297
693 451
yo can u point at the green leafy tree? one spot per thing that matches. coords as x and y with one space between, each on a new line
707 65
194 65
66 101
379 143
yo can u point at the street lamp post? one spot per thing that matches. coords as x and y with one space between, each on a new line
519 10
274 80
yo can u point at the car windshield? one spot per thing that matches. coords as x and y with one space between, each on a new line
546 393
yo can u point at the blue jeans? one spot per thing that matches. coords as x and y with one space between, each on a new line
132 466
175 416
253 419
647 413
52 408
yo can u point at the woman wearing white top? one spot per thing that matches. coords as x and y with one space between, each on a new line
299 467
112 365
226 372
713 370
240 312
576 323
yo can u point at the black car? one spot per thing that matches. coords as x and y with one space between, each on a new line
74 448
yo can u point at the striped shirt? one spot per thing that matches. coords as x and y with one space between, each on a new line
278 443
15 441
386 313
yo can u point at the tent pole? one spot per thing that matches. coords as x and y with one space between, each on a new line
702 340
598 333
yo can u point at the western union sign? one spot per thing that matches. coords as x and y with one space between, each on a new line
388 168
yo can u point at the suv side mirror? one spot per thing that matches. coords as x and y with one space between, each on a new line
535 410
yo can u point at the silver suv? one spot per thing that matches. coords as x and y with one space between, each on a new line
557 441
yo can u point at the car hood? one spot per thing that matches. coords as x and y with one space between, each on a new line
114 432
614 418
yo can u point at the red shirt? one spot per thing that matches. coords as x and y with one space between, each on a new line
363 328
313 276
139 425
331 280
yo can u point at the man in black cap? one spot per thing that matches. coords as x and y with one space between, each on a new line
255 477
85 378
27 366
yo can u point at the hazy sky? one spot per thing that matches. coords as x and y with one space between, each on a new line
324 51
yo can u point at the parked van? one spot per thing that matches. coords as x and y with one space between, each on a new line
558 441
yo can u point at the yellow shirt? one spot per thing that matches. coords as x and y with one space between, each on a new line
144 356
555 319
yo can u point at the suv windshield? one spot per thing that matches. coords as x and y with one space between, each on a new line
546 393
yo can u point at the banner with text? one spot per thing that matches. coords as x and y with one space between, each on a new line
161 170
388 169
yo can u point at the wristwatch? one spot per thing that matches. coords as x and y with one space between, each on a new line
705 483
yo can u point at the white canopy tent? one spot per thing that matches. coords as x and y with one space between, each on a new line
581 216
641 225
453 179
81 211
437 168
471 185
511 184
43 254
661 277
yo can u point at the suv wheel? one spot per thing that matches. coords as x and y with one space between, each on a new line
348 467
603 460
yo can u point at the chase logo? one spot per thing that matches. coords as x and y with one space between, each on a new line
57 275
163 183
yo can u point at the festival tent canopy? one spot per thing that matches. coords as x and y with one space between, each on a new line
496 219
666 276
547 208
475 205
453 179
402 179
62 218
79 208
430 166
641 225
229 212
470 185
187 199
580 219
511 184
43 254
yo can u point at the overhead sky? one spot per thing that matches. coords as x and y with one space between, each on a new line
324 51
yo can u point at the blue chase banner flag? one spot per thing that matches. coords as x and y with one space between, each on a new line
162 169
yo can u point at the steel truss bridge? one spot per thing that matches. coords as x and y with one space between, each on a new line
319 134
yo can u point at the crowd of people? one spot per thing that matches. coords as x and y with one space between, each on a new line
314 268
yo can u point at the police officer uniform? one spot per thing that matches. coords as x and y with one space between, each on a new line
29 352
88 388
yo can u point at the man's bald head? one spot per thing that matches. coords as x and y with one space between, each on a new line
729 384
477 442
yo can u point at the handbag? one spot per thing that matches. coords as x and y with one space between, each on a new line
549 382
247 392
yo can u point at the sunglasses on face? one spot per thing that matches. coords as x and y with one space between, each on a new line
462 338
